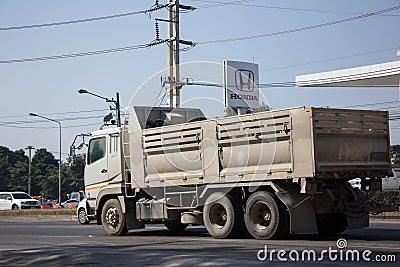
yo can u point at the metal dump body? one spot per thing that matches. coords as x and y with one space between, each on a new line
283 144
350 143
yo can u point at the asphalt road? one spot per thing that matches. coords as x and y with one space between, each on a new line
67 243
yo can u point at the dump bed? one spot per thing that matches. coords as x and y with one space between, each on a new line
351 143
283 144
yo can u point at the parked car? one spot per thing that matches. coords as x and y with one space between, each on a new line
70 204
391 182
17 200
82 212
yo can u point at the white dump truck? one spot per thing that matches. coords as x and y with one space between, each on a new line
271 173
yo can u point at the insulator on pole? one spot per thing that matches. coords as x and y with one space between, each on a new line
157 31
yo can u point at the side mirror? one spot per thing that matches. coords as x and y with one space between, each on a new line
9 198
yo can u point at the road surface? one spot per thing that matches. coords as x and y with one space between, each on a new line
66 243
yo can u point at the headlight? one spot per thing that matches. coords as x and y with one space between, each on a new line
23 202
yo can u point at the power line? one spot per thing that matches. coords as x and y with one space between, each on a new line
300 29
57 113
220 4
331 59
154 8
372 104
50 127
242 3
59 119
90 53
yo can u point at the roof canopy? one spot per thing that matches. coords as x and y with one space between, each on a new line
378 75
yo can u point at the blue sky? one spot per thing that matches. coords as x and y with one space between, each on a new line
47 87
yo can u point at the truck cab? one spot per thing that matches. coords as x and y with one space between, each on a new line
103 171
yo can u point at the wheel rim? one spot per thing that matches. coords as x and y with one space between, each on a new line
260 215
82 216
112 217
218 215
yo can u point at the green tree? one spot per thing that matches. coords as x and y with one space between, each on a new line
13 169
229 112
43 164
395 154
263 107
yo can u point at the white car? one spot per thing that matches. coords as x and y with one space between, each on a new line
17 200
392 182
82 212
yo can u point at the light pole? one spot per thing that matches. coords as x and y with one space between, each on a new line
59 162
116 102
29 168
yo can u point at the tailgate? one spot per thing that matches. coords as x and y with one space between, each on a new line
351 143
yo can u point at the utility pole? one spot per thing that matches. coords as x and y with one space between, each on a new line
173 89
29 168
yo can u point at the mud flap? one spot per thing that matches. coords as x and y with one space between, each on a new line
301 211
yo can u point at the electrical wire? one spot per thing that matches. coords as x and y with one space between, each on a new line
90 53
154 8
300 29
331 59
56 113
58 119
50 127
220 4
243 3
372 104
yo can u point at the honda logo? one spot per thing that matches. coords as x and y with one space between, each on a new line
244 80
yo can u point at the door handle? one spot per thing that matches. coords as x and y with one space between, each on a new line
103 171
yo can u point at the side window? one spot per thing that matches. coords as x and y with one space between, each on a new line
114 144
3 196
97 149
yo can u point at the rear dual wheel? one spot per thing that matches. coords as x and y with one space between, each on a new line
223 216
265 217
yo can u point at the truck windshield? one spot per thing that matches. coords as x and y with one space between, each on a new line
21 196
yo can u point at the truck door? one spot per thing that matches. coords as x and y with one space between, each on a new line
96 164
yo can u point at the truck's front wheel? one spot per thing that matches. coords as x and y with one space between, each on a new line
113 219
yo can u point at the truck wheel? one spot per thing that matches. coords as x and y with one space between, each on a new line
331 224
263 218
223 217
14 207
113 219
82 216
175 226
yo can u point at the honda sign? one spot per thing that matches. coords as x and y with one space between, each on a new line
241 84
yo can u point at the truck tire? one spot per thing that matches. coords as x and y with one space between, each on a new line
113 219
175 226
14 207
263 217
223 216
82 216
331 224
